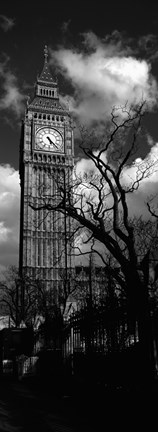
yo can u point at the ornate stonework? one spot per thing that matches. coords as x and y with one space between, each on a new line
46 153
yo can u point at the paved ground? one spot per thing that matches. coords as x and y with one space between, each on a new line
24 408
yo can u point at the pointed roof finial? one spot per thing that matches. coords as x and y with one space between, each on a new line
46 75
46 53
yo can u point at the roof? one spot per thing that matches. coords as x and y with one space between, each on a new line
46 75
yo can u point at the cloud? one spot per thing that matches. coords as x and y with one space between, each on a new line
150 163
6 23
148 186
150 140
10 200
12 98
9 215
137 200
86 166
103 75
148 45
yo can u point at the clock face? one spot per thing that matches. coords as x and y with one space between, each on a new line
49 139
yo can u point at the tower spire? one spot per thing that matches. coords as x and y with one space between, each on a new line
46 75
46 54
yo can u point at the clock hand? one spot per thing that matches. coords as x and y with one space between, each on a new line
48 138
51 142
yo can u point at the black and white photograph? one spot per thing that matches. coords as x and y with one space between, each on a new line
78 216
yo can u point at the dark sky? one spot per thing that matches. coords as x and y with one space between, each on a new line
40 23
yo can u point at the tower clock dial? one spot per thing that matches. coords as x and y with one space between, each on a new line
49 139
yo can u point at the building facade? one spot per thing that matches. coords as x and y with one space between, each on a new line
46 162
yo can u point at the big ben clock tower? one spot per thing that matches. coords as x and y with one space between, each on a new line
46 153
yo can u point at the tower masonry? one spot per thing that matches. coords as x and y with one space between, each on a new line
46 160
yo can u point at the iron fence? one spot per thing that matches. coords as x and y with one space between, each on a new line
101 344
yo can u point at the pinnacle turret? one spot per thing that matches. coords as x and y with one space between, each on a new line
46 75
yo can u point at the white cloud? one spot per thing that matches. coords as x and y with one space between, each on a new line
150 162
9 215
6 23
4 231
12 98
136 201
150 140
131 173
87 166
103 76
148 186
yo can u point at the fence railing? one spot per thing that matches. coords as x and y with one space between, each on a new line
101 342
100 330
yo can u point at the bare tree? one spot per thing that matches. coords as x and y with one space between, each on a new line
24 299
97 202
